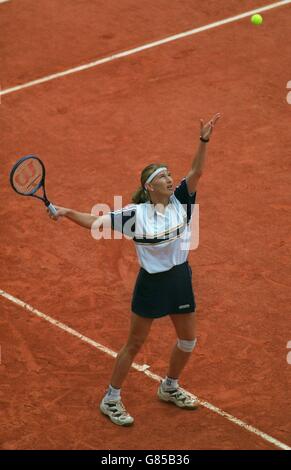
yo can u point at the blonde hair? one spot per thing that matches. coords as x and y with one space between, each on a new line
141 194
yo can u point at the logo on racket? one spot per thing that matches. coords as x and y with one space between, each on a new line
28 176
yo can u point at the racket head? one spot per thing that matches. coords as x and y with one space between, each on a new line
27 175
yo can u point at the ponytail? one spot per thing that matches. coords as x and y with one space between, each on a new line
140 196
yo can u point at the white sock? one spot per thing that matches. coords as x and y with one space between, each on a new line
113 394
170 384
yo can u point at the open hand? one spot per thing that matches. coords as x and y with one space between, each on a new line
206 129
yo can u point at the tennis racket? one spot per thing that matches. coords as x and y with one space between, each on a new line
28 176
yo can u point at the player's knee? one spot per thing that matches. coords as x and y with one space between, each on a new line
186 345
134 345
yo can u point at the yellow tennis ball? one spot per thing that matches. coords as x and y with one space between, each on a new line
257 19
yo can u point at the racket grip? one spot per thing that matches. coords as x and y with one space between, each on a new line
52 209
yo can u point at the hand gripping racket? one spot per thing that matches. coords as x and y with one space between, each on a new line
28 176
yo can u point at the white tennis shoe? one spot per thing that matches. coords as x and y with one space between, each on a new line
116 411
179 397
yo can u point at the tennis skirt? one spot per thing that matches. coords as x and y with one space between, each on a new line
159 294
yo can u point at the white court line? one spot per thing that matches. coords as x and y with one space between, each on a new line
4 1
144 368
143 48
68 329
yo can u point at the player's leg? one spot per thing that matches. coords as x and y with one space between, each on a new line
139 330
169 389
111 404
185 329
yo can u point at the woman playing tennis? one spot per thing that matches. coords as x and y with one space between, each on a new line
158 220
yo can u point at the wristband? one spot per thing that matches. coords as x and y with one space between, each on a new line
204 140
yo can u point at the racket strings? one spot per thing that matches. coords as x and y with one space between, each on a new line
27 176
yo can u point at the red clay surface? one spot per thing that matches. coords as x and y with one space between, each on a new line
96 130
44 37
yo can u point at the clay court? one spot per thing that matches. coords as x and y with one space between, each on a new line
65 297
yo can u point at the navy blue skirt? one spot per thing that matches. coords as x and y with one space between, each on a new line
159 294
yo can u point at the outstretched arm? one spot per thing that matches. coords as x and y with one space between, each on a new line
81 218
199 160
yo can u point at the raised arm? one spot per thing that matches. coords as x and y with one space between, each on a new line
199 160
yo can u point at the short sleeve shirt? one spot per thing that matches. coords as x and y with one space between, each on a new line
161 239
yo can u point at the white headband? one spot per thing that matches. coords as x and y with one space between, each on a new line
155 173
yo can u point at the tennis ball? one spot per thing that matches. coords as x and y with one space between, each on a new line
257 19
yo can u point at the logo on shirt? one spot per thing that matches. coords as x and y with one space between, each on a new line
184 306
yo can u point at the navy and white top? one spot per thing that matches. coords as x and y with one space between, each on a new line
161 239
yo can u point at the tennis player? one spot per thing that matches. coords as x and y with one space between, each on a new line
158 221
